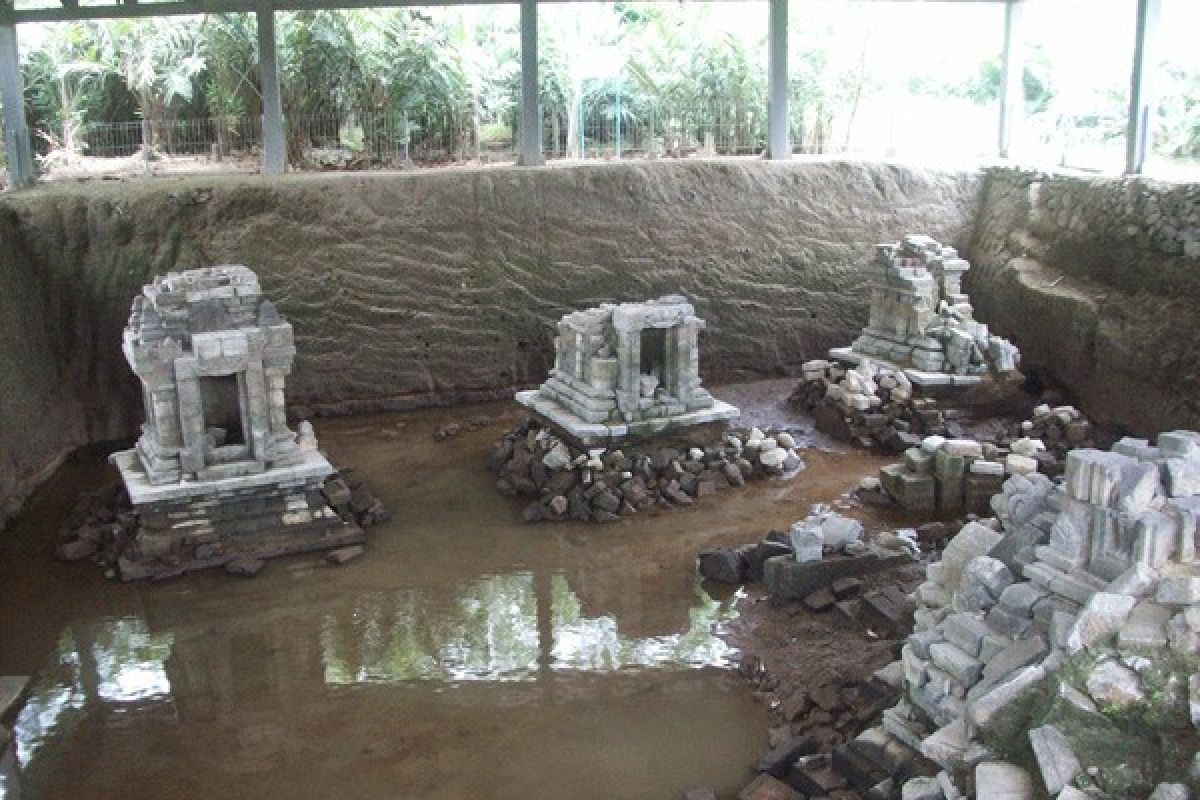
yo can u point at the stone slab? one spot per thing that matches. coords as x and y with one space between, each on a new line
1055 758
787 578
12 691
314 466
999 780
596 434
922 379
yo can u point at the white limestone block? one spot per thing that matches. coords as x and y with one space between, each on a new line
1111 683
1016 464
1101 617
999 780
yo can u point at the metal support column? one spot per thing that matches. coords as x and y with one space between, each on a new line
1142 95
274 147
1012 86
12 95
778 146
529 149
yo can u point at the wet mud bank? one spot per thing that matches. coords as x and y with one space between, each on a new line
441 287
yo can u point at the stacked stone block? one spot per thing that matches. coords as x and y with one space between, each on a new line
1097 573
952 475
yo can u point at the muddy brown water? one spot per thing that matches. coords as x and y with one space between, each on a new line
466 655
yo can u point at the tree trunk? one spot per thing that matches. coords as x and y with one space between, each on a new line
574 123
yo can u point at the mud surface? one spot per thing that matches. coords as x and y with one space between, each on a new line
439 287
467 654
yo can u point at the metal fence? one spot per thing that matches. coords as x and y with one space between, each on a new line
353 139
214 137
652 133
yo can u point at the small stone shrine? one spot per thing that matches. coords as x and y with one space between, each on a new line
216 474
627 371
921 321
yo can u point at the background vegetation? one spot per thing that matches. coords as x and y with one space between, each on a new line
384 86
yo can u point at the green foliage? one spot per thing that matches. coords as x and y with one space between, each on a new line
448 80
984 87
1177 132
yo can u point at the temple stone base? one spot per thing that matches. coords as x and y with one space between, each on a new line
922 379
194 525
712 419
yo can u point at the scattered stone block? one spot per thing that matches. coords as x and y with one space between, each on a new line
820 600
1178 590
245 567
779 759
989 573
1015 464
1101 617
808 541
922 788
844 588
838 531
789 579
966 631
999 780
12 693
1170 791
962 667
343 555
973 540
723 565
1146 628
1019 598
1111 683
1017 655
76 550
1055 758
988 710
947 744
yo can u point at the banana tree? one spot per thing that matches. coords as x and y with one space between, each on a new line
231 90
67 74
161 59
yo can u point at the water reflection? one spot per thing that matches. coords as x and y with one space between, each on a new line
522 628
494 633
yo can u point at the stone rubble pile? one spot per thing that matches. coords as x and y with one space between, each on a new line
821 715
808 755
870 405
602 484
1050 433
821 561
951 475
1056 647
961 474
102 527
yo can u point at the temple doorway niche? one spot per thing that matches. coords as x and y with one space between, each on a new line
653 360
221 398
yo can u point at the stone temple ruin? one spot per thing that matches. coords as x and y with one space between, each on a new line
625 371
921 321
1042 630
216 474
